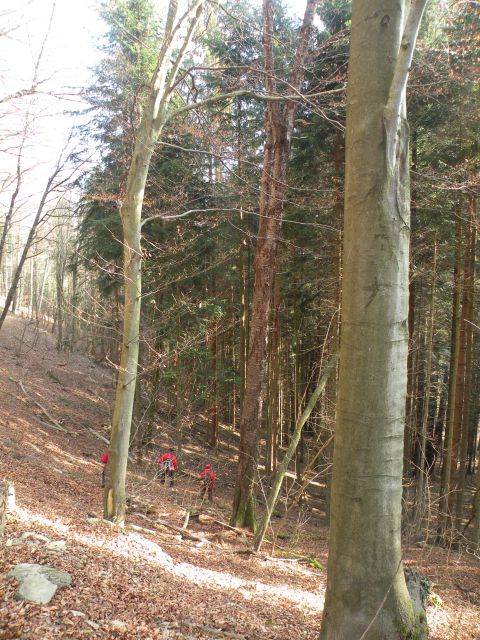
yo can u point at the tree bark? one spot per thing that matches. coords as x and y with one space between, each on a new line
446 478
469 294
279 123
151 125
367 597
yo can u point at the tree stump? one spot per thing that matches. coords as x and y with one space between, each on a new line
7 502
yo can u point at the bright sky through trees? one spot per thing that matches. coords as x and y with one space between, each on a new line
71 33
63 68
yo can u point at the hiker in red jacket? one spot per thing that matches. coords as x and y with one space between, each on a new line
169 466
104 462
207 478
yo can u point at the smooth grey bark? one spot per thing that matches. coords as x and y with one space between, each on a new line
367 597
151 125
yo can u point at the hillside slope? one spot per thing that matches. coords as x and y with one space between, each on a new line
149 581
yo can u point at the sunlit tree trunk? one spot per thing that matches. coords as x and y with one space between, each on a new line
151 125
367 595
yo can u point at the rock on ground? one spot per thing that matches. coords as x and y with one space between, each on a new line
38 583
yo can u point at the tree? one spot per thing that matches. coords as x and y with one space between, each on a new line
367 595
55 182
152 122
283 466
279 123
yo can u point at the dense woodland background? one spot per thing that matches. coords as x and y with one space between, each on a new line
200 228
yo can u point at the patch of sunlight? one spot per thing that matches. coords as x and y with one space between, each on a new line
438 619
140 549
304 599
28 517
66 458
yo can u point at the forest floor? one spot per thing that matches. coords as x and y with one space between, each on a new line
133 583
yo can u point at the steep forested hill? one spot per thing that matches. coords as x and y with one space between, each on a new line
149 580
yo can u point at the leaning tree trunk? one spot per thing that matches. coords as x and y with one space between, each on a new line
292 447
367 596
50 187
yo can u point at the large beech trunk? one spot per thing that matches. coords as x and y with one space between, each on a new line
367 597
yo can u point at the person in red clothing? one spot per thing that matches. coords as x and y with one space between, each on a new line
104 462
169 466
207 478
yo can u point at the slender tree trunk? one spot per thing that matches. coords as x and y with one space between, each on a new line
213 440
367 597
446 479
7 221
459 407
283 466
30 238
74 299
422 461
33 282
331 391
151 125
274 391
42 289
469 293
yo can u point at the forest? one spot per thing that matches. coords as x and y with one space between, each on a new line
240 345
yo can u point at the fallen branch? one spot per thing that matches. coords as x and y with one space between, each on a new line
211 631
240 532
96 434
54 424
183 532
136 527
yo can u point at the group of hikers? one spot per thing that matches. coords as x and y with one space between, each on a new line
169 468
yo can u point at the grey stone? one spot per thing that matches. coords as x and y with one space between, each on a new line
32 535
119 625
56 545
38 583
36 588
12 542
57 576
